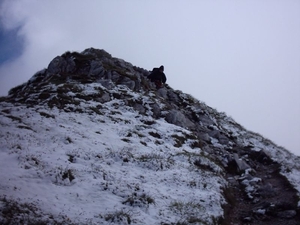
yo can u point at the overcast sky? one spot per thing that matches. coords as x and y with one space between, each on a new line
240 57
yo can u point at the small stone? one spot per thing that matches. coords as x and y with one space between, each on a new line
247 219
261 211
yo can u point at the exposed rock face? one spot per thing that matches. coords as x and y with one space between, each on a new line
242 166
178 118
259 191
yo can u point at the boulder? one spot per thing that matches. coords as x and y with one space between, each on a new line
219 136
241 164
178 118
155 110
61 65
96 68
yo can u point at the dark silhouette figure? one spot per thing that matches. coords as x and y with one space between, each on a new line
158 77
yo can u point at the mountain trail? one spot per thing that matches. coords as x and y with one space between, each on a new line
267 199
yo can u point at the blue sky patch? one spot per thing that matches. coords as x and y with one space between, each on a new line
11 45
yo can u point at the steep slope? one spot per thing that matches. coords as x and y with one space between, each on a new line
89 140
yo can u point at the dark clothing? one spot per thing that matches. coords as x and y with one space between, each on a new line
157 76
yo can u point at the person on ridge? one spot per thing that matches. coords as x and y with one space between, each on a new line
158 77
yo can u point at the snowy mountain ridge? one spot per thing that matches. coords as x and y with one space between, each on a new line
89 140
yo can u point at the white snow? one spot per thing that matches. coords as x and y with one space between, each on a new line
116 165
94 169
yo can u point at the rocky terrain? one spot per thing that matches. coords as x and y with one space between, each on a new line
89 140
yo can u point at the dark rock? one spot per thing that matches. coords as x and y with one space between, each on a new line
205 120
287 214
241 164
155 110
96 68
163 92
173 97
105 98
178 118
61 65
219 136
266 191
204 137
140 108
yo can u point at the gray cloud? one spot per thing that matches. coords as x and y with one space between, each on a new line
239 57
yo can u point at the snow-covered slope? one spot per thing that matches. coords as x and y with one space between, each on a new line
90 141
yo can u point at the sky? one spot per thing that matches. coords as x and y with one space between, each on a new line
239 57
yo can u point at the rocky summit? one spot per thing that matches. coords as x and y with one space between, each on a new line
90 140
